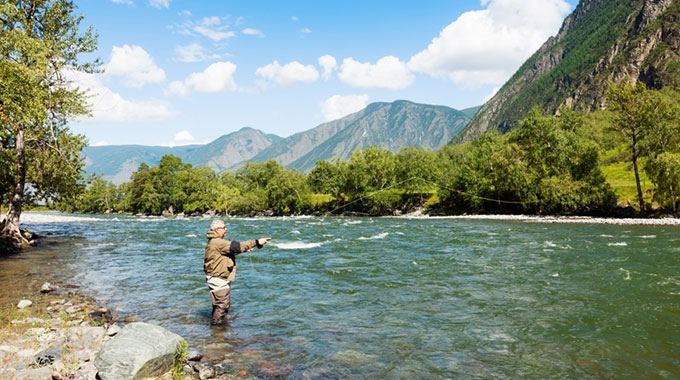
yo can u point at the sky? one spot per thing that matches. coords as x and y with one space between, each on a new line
179 72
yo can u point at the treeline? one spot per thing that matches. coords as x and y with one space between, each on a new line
549 165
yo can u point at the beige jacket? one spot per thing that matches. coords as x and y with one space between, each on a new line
220 255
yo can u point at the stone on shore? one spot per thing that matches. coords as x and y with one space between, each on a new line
46 288
24 303
139 350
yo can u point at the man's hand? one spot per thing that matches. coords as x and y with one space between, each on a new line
262 241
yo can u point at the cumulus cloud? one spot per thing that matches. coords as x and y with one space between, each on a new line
389 73
329 64
183 137
338 106
160 3
218 77
135 65
305 30
487 46
252 32
109 106
193 53
288 74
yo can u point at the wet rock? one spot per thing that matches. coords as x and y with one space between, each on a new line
112 330
130 319
24 303
46 288
206 371
139 350
194 355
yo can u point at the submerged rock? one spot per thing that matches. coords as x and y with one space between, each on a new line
139 350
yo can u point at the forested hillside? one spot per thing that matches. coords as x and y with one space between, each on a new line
601 41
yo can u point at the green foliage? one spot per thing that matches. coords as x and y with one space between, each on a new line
664 170
40 43
181 356
549 165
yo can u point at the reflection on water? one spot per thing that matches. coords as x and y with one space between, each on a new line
392 298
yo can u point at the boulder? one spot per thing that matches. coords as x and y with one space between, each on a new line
138 351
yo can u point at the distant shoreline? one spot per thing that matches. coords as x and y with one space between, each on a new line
558 219
34 217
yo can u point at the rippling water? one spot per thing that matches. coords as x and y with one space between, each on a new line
397 298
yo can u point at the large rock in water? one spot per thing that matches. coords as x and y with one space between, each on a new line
138 351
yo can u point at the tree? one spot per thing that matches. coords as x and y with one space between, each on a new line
40 42
664 171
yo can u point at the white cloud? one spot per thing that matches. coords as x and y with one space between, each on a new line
214 34
329 64
389 73
305 30
135 65
288 74
183 137
193 53
177 88
252 32
100 143
211 27
338 106
218 77
109 106
184 13
160 3
487 46
126 2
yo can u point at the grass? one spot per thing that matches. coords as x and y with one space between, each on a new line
621 177
181 356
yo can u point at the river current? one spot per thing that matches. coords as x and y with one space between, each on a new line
393 298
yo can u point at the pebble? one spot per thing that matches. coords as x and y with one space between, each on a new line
194 356
130 319
24 303
46 288
206 371
113 330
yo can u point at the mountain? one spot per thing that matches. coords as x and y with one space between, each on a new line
601 41
391 126
117 162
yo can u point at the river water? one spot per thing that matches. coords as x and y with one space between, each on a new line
393 298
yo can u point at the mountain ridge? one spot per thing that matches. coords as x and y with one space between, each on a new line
600 41
389 125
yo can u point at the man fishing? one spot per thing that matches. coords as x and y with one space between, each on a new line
220 266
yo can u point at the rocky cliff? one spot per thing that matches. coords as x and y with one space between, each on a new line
601 41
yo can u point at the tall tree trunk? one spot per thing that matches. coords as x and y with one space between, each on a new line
637 174
14 213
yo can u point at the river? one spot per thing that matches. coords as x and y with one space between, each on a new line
391 298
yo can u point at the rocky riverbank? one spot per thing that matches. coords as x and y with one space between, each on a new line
58 333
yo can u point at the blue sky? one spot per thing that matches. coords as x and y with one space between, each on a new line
183 71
